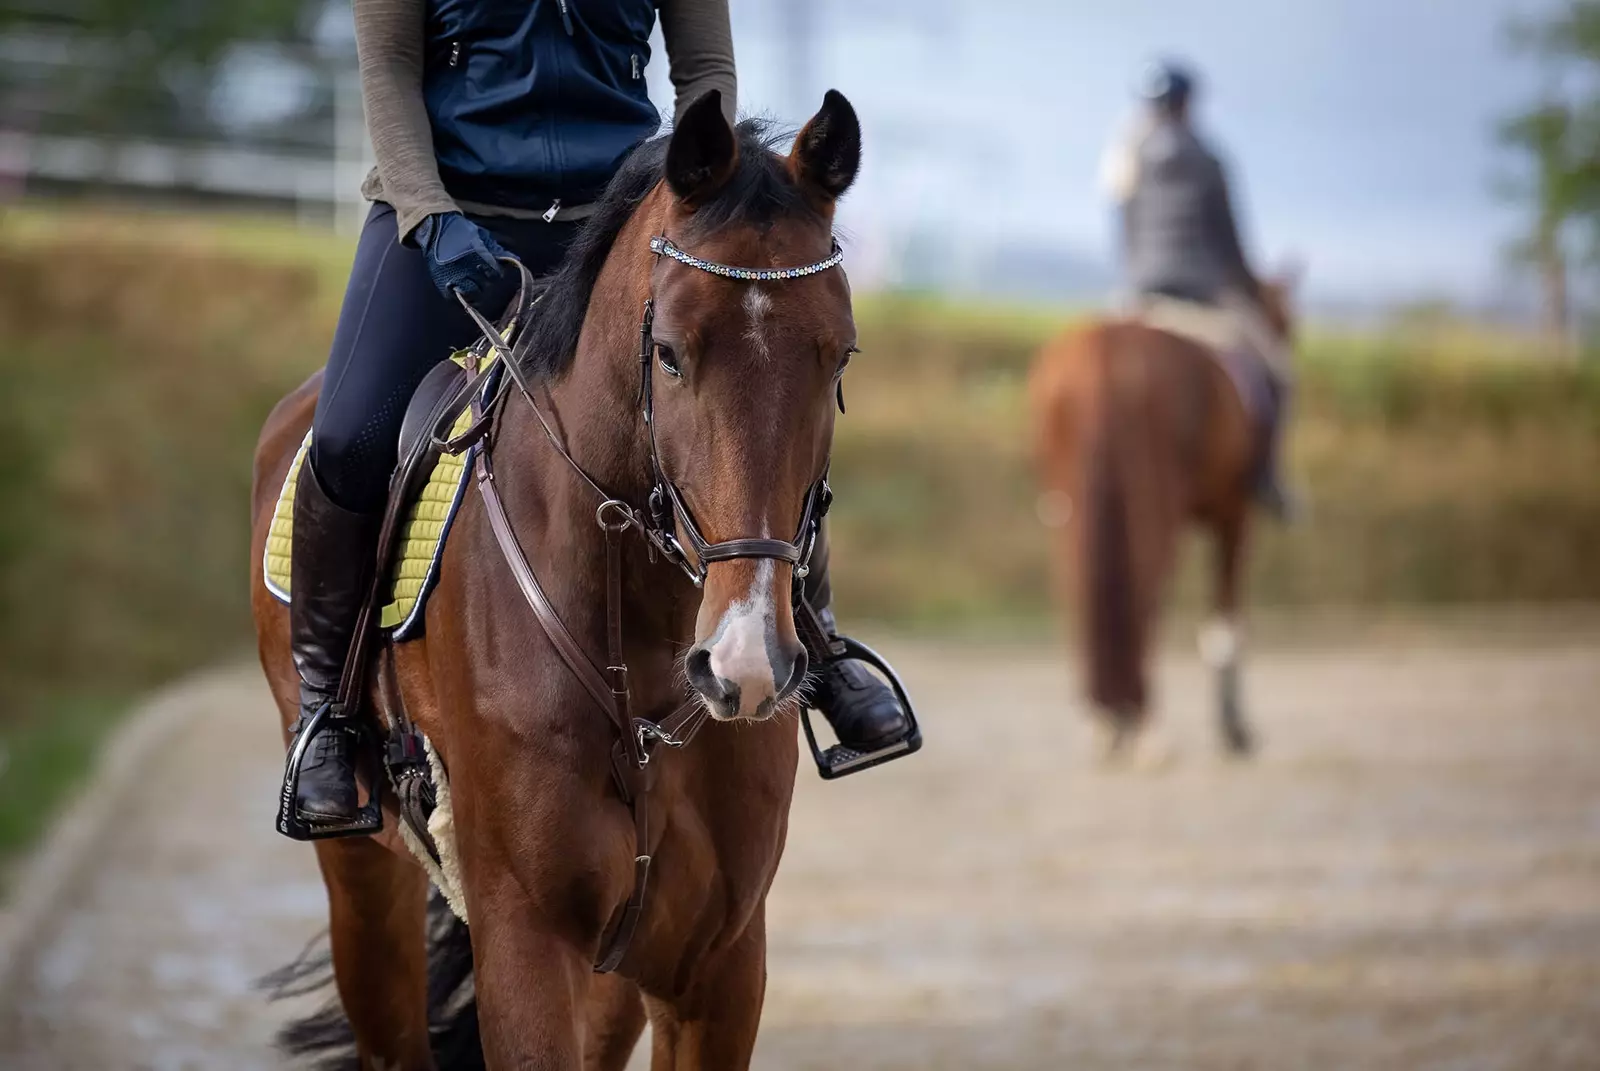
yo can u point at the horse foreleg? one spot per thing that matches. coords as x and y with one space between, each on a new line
1221 640
377 908
533 986
713 1026
616 1019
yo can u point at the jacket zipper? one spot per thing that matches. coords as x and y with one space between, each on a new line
455 53
634 60
566 16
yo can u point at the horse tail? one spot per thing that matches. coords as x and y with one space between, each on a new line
1111 591
325 1039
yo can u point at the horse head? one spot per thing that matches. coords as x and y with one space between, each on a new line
744 375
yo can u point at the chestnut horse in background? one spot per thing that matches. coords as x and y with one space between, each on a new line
647 368
1138 432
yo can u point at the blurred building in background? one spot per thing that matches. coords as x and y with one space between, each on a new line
1363 134
274 123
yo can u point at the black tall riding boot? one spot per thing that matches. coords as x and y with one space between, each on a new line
864 712
329 575
1270 490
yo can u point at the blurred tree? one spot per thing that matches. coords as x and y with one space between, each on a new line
120 62
1559 141
1557 194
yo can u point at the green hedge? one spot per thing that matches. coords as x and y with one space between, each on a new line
138 374
140 356
135 388
1441 469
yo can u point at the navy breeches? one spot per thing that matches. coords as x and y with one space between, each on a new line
393 327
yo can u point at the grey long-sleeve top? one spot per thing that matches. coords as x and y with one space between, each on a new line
390 43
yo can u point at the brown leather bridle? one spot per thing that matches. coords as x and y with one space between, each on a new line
669 514
659 524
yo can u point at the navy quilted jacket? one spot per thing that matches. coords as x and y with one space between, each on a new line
1179 230
534 101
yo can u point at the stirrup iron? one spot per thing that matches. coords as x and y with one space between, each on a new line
841 761
297 826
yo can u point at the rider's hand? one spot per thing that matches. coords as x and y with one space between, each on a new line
464 256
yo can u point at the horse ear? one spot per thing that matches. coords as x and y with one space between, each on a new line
827 153
703 153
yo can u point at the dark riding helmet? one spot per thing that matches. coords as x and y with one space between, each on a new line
1168 84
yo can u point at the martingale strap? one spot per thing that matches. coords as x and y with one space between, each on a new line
609 689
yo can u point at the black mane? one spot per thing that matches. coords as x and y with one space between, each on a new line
760 193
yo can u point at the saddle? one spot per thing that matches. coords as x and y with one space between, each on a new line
1244 349
430 485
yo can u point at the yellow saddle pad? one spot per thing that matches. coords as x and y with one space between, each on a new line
415 566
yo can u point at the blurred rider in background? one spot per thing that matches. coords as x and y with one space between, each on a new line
1180 244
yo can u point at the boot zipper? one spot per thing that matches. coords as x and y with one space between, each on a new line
566 16
634 60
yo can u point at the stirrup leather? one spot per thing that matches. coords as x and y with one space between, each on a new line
298 826
840 761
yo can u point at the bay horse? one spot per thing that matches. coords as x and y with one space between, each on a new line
1139 432
649 366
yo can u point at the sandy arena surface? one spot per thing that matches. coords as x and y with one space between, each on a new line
1408 877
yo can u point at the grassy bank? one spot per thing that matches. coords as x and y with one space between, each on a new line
134 388
140 354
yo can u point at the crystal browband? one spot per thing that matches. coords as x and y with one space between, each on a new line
662 246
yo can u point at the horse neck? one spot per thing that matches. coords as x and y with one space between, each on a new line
599 393
593 409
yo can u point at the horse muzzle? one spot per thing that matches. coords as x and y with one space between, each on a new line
749 664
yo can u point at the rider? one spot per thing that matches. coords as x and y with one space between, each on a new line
495 124
1180 241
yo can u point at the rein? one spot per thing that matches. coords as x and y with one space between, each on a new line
666 515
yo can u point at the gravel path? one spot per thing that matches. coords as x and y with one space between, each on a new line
1408 878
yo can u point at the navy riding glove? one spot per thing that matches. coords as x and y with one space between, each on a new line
463 256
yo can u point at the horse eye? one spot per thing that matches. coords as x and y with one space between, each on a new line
668 360
844 362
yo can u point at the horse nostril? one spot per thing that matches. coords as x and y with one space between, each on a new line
698 668
797 674
718 690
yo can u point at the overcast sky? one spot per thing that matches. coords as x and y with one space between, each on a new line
1361 131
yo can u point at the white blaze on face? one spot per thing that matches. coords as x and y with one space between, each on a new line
758 306
739 647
